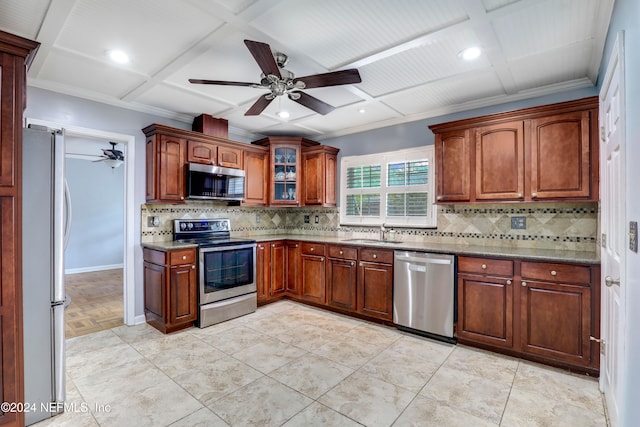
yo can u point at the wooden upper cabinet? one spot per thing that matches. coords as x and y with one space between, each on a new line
256 178
500 161
319 173
453 166
212 154
560 156
536 154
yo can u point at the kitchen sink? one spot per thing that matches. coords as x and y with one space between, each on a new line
367 241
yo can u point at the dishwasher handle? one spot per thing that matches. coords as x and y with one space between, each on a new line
424 260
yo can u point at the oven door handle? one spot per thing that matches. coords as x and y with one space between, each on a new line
226 248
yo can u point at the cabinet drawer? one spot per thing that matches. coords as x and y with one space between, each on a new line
488 266
343 252
551 272
184 256
376 255
313 248
153 256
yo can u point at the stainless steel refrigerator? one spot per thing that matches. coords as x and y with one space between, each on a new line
45 224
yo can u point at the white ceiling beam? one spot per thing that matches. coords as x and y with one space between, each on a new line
481 23
51 26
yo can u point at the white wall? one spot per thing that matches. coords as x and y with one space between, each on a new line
96 239
626 17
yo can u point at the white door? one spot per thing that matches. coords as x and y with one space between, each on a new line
612 191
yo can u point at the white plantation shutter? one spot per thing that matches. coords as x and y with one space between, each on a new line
394 188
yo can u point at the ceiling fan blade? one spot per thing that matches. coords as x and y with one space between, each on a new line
335 78
222 82
264 57
259 106
313 103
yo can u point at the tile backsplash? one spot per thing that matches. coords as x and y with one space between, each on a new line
571 226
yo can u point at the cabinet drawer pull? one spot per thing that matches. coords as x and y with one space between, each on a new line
313 249
508 282
341 252
553 273
184 257
484 266
375 256
524 283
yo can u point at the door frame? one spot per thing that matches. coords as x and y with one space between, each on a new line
616 61
129 314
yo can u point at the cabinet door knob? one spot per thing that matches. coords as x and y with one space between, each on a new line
484 266
519 194
181 197
184 257
273 245
322 259
439 198
341 252
534 195
524 283
553 273
375 256
508 282
193 267
296 246
260 247
352 263
313 249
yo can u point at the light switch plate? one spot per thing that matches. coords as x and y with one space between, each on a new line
153 221
518 222
317 219
633 236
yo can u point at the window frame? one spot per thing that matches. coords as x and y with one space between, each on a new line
384 159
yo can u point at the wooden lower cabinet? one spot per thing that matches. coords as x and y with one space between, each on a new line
278 260
487 305
294 272
170 289
313 273
375 283
271 259
341 277
544 311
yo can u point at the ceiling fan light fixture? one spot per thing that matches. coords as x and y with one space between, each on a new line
118 56
283 114
470 53
113 163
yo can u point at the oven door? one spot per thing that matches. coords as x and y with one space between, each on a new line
226 272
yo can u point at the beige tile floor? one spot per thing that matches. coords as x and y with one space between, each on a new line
293 365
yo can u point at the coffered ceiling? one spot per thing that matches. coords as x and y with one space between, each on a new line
407 52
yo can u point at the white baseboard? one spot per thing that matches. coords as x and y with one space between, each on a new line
139 320
93 268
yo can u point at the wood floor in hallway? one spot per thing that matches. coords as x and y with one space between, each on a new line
96 302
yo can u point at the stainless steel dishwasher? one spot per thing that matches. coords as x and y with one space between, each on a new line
423 293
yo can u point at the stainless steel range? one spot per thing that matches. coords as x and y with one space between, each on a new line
227 269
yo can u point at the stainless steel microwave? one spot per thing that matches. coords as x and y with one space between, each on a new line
214 182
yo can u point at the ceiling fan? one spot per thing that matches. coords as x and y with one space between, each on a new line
111 156
280 81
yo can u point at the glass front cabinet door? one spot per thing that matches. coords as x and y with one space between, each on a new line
285 188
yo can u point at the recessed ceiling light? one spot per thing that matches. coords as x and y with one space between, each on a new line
362 111
470 53
118 56
283 114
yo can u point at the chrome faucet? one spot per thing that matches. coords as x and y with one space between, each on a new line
382 231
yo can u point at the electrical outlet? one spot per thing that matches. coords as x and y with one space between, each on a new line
317 219
258 219
306 219
633 236
153 221
518 222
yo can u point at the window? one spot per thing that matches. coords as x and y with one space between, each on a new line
394 188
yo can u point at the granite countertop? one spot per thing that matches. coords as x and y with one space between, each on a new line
492 251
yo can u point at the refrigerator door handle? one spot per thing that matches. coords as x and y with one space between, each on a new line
58 338
68 213
59 225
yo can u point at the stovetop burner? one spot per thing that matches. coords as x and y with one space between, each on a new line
206 232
